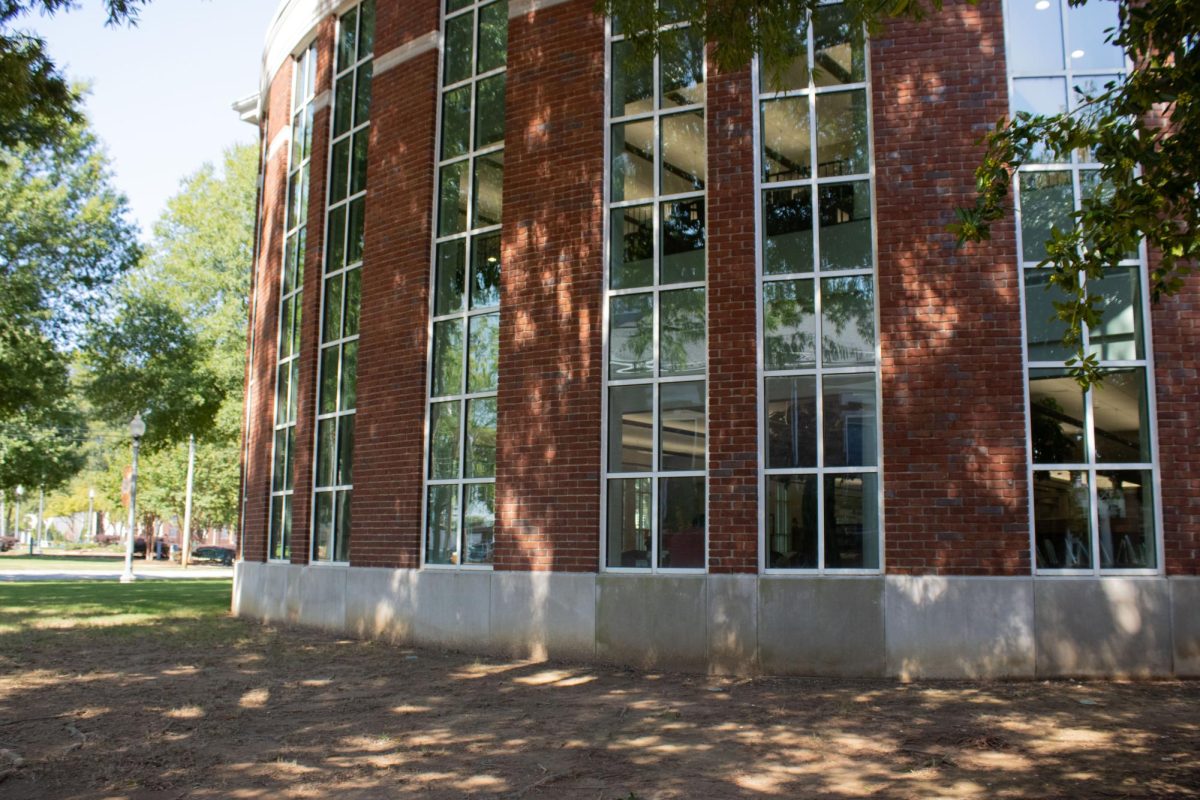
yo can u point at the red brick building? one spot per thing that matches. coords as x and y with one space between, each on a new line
557 352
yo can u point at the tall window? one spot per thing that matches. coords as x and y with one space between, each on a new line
341 285
461 467
656 452
820 500
287 375
1092 469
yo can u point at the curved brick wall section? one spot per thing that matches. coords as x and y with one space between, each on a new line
953 398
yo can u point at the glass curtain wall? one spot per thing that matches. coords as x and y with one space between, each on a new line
461 465
820 493
1092 471
657 420
341 285
287 374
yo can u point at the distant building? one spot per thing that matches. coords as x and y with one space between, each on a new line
557 353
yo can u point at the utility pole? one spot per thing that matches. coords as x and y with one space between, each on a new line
185 553
91 524
41 529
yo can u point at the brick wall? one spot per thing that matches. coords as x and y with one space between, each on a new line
260 396
955 489
548 457
389 434
732 331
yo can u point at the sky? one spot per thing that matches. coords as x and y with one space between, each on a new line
161 92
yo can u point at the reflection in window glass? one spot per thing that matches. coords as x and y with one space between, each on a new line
1122 417
852 521
789 325
1046 204
1125 509
791 422
681 523
792 529
1058 418
631 428
1062 519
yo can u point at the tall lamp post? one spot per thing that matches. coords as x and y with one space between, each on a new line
91 525
137 429
20 494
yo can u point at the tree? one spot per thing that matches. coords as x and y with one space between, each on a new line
37 104
1144 128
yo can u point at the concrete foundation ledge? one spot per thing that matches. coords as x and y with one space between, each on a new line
907 627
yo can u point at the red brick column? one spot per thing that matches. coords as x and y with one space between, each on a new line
310 315
389 439
263 327
548 453
732 332
955 489
1176 335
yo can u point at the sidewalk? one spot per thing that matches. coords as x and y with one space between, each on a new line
16 567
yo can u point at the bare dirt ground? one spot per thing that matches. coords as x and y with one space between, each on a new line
225 708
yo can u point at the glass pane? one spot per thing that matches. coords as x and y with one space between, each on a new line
343 104
347 51
483 354
632 81
681 523
681 61
852 521
443 439
493 36
1038 45
630 428
341 534
847 321
456 122
298 137
326 443
278 536
1125 502
788 223
366 29
286 309
441 524
1046 201
480 522
329 380
1118 337
451 276
681 426
353 302
289 477
458 45
1062 520
323 538
1044 97
1122 417
792 518
481 438
340 173
786 141
841 134
455 5
838 54
362 100
629 522
485 272
452 198
632 247
489 111
848 415
354 231
447 357
294 391
358 162
349 387
791 72
681 339
309 114
632 161
337 239
345 453
792 422
684 153
332 329
631 336
1088 46
278 467
789 325
489 190
1056 418
683 240
845 226
1043 329
282 393
289 265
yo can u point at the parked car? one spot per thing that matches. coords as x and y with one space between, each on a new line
220 555
7 543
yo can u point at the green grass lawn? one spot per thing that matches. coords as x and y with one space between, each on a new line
18 561
49 605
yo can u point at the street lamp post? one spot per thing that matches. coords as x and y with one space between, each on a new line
137 429
91 525
20 494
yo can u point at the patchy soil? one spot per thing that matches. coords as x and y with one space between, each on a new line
223 708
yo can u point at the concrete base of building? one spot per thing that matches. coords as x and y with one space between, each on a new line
889 626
